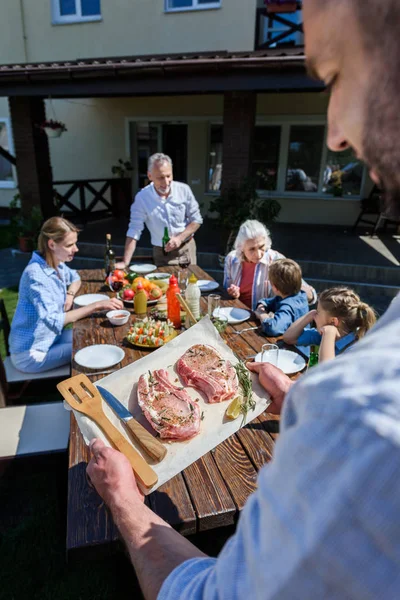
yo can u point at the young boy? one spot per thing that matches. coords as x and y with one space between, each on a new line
278 313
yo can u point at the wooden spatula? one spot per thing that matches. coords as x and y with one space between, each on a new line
76 392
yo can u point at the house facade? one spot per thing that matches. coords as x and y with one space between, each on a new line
274 125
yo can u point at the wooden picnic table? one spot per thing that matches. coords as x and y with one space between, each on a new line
211 492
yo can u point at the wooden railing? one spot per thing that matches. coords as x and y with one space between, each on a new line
273 20
113 197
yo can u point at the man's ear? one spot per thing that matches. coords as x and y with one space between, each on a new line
149 176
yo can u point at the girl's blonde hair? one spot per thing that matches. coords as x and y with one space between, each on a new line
354 315
55 228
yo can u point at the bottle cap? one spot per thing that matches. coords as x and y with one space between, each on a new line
173 280
139 286
193 278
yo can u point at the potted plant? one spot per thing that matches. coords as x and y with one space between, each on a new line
237 204
25 228
122 168
280 6
53 128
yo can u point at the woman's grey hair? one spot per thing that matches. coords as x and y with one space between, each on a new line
249 230
158 159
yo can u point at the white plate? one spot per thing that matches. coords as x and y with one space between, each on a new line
234 315
99 356
159 276
207 286
290 362
86 299
143 268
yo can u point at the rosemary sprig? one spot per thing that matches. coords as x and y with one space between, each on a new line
244 378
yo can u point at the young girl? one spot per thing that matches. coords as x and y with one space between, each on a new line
341 319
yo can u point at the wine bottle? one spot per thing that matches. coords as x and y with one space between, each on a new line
165 239
109 256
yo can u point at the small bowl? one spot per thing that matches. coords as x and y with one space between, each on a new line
118 317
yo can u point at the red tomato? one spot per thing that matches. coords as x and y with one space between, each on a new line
119 274
125 282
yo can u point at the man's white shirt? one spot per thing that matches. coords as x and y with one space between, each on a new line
175 212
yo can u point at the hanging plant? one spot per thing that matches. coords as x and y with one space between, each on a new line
53 128
280 6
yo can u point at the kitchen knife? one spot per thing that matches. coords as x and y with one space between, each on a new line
151 444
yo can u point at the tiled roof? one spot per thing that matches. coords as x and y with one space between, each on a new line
290 56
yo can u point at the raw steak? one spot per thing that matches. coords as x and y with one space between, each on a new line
203 368
169 409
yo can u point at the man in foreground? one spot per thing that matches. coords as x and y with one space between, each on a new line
324 521
164 203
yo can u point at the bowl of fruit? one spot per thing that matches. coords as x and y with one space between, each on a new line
119 279
153 290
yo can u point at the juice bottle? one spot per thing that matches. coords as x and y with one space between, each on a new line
140 300
173 305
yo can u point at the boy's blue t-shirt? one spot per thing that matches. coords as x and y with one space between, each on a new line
287 311
311 337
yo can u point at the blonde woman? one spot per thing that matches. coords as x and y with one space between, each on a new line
247 266
38 341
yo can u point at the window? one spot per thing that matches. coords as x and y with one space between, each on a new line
215 158
6 171
343 174
76 11
292 159
266 157
273 28
176 5
304 158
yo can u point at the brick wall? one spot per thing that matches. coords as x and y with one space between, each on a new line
239 122
35 179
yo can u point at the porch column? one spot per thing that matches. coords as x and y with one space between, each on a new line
35 178
238 132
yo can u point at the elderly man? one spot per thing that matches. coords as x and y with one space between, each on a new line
164 203
324 521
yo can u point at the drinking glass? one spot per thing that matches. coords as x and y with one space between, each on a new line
270 354
182 279
214 302
184 261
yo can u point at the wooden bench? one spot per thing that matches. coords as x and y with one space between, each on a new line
35 429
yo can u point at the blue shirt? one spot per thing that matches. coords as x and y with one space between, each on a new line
287 311
324 520
175 212
39 318
311 337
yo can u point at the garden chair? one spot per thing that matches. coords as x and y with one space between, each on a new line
9 374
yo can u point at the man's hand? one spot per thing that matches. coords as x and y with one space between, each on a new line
174 243
234 291
274 381
112 476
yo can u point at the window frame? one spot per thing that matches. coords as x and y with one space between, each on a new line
286 122
4 183
59 19
211 5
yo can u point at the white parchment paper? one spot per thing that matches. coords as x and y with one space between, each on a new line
215 428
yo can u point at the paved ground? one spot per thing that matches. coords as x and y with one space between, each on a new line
301 242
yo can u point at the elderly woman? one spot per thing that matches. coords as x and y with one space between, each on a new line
38 340
246 267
